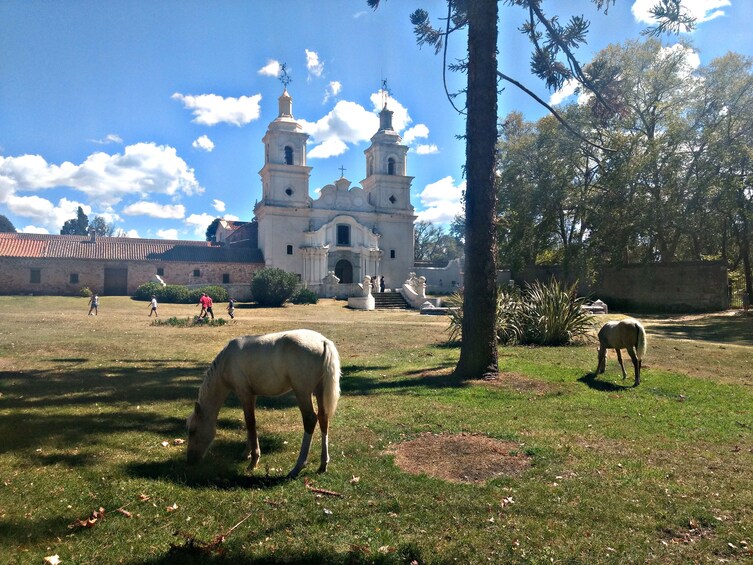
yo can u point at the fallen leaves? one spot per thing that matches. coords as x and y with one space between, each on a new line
312 488
52 560
95 517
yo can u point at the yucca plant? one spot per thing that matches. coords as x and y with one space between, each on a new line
553 315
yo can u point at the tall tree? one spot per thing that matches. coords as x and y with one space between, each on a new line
6 226
211 232
554 62
78 225
101 227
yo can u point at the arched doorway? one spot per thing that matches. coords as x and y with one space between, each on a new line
344 271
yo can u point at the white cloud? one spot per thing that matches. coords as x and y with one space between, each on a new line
442 201
426 149
43 211
203 143
218 205
33 229
271 69
230 218
211 109
333 89
143 168
162 211
347 122
567 90
690 59
313 65
109 138
129 233
416 132
167 234
199 223
701 10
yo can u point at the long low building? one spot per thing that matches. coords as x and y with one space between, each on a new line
64 264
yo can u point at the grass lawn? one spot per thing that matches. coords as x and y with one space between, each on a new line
90 408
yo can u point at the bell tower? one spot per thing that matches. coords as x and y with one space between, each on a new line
285 176
386 181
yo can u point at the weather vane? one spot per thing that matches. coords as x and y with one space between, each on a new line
285 78
385 92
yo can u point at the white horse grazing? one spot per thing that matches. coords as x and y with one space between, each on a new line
303 361
623 334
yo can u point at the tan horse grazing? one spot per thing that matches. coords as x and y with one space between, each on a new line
303 361
623 334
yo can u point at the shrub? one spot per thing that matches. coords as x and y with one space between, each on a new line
85 291
178 294
542 314
273 287
552 315
304 296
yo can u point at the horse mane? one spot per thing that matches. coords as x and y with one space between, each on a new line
212 377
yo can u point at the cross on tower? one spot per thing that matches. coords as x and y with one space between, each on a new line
285 78
342 171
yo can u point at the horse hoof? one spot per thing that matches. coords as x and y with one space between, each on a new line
322 469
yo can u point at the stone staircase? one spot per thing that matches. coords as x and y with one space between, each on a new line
390 301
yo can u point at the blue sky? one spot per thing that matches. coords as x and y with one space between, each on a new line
151 114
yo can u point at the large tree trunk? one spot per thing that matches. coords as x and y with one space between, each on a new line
478 353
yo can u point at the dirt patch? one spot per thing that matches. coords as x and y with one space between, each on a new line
460 458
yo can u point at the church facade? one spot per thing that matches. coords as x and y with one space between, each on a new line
347 231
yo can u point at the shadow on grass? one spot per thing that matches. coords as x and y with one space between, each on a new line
718 328
196 554
605 386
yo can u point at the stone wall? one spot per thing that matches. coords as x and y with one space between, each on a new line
67 277
680 287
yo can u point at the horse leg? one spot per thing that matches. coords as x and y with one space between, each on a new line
309 424
619 359
252 450
323 418
602 364
636 365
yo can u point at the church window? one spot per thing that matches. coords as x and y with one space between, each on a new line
290 249
390 166
393 199
35 276
288 155
196 273
289 191
225 278
161 271
343 234
73 278
392 253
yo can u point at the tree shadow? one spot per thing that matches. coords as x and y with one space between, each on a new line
719 328
590 380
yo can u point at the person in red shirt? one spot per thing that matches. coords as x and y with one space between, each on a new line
208 307
203 304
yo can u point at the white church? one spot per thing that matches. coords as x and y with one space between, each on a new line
348 231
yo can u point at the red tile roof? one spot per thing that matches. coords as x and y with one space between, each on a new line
43 246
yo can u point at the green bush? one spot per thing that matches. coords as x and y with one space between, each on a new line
304 296
552 315
178 294
188 322
273 287
85 291
541 314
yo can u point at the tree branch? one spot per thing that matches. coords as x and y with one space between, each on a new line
554 112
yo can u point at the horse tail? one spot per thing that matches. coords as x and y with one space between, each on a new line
330 377
640 346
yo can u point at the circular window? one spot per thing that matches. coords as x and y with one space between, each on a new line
289 191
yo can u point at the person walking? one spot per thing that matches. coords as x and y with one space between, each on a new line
381 284
153 306
231 308
208 307
94 305
203 304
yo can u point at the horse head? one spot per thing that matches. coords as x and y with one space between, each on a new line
201 432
